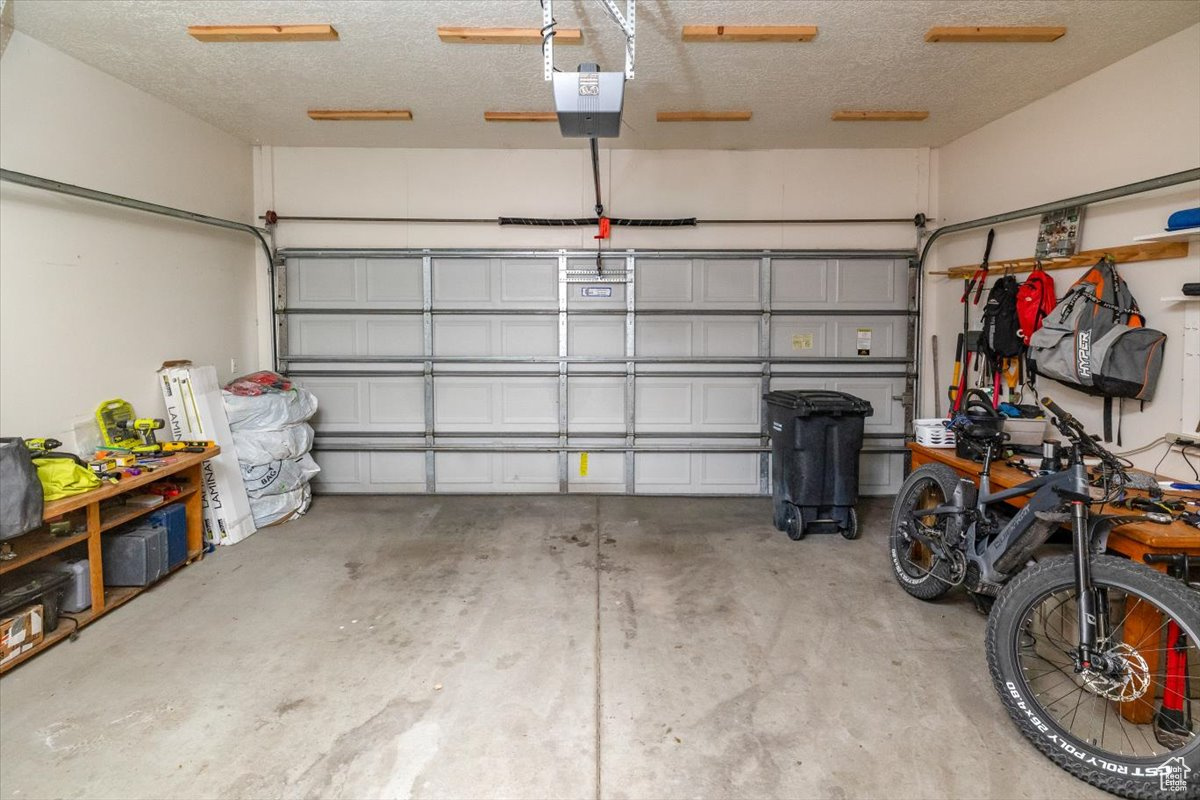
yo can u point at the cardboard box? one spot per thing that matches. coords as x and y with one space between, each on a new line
20 632
195 410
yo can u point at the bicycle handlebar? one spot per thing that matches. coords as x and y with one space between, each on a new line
1073 429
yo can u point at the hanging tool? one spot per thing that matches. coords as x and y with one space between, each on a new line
937 381
952 391
979 278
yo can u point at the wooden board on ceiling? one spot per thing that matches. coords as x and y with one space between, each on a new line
520 116
263 33
879 116
749 33
397 114
703 116
995 34
456 35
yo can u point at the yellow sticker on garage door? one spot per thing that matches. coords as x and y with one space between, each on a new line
583 465
802 341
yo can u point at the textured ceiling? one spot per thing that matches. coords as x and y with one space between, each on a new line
867 55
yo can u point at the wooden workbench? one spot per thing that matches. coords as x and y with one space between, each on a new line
1143 625
1133 541
40 543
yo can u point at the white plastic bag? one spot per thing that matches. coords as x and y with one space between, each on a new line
271 411
275 508
261 447
279 477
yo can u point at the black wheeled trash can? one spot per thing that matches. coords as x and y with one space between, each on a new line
816 436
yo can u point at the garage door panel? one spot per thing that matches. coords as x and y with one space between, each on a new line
735 470
595 404
370 404
461 282
696 473
729 283
880 473
799 337
463 404
321 283
660 403
728 337
664 283
496 472
595 336
663 472
728 404
324 336
352 283
853 283
871 283
699 405
664 337
462 336
395 402
883 336
393 337
532 336
528 281
881 393
605 472
458 471
391 282
800 283
529 403
345 472
837 337
536 470
339 402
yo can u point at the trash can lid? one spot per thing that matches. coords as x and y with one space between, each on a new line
819 402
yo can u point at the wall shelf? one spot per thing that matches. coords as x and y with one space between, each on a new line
1190 235
1126 254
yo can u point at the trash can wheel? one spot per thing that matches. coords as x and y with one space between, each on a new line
793 523
780 514
851 530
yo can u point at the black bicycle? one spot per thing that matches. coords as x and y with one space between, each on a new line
1091 654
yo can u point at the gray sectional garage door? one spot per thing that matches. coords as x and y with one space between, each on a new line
507 371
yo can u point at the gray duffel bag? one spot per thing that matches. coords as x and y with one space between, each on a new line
20 490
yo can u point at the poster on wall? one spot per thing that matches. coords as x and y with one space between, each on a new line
1058 233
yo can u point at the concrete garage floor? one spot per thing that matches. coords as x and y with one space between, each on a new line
702 655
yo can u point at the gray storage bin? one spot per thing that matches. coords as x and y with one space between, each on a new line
78 590
135 557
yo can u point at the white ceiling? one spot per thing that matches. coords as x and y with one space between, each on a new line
867 55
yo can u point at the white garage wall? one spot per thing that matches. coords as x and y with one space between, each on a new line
1137 119
93 298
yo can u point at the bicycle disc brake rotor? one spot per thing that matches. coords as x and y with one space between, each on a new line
1131 681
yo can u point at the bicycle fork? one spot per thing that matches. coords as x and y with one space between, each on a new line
1085 594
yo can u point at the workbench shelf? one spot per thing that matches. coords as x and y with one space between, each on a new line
40 543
